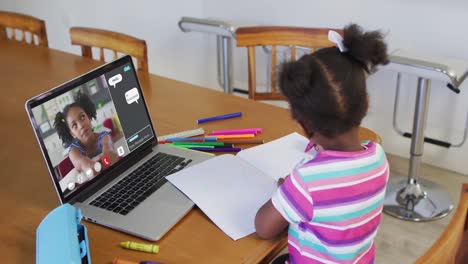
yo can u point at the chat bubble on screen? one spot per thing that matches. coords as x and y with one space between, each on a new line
132 95
115 80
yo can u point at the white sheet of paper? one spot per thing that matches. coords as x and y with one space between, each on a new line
278 157
228 190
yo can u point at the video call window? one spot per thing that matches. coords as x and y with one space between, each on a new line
91 127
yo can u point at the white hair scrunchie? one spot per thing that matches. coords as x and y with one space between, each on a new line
336 38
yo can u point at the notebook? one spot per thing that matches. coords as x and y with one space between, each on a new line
240 183
102 152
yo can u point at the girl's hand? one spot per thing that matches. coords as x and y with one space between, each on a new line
98 157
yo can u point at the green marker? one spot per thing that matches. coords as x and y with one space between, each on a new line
206 153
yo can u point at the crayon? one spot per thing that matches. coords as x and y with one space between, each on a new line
152 248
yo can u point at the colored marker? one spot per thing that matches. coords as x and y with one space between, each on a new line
193 139
256 129
209 143
170 141
225 146
237 131
251 141
235 136
206 153
218 149
231 133
194 146
152 248
221 117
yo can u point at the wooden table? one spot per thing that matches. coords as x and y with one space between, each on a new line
27 193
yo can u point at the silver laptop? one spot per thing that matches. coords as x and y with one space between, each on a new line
101 149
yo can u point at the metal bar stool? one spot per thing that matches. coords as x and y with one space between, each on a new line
225 33
412 198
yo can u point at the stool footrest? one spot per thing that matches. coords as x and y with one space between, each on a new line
437 142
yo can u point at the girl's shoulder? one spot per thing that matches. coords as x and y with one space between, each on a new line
102 134
76 144
369 148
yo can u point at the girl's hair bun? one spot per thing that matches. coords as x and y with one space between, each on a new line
368 48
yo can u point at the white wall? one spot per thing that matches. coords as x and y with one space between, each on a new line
171 52
427 26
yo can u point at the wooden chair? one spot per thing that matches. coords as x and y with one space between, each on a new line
452 245
367 134
293 37
104 39
23 23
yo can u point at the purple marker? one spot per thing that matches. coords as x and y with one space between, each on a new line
214 118
218 149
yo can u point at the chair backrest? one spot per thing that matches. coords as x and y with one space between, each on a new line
251 37
104 39
452 245
367 134
22 24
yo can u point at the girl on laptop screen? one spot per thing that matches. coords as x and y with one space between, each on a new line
86 147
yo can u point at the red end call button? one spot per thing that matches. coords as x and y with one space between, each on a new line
106 161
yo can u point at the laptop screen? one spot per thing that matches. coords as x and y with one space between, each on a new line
89 125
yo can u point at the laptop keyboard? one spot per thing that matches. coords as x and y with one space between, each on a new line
130 191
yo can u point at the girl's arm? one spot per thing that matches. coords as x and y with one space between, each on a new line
269 223
80 162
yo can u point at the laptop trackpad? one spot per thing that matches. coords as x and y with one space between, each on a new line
151 219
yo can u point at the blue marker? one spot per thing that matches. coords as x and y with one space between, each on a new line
214 118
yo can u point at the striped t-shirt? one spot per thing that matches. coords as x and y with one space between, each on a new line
333 203
76 144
